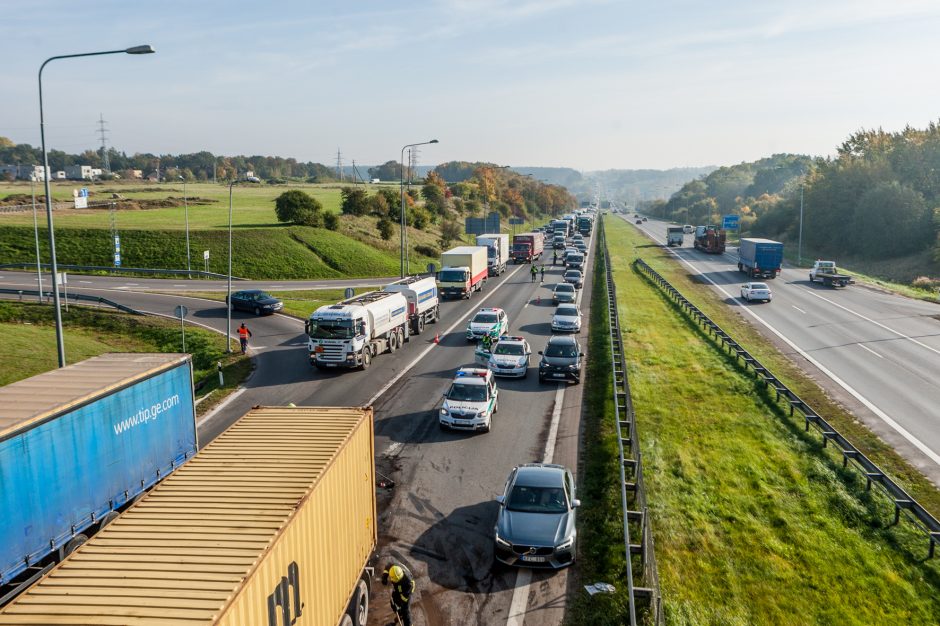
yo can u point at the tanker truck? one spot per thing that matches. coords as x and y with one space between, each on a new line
424 306
352 332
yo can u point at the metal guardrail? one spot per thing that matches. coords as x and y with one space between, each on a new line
636 521
903 501
119 270
73 297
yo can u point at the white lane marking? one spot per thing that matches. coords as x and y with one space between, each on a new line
861 345
879 324
180 285
425 352
920 445
798 309
85 282
218 408
553 428
132 284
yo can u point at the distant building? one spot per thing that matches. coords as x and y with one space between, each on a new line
60 175
25 172
78 172
375 181
96 172
133 174
249 174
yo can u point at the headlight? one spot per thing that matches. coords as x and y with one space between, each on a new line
564 545
443 411
500 541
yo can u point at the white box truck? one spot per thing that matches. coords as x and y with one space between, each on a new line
463 271
424 306
675 236
497 252
352 332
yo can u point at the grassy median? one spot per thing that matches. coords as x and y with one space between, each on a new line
754 522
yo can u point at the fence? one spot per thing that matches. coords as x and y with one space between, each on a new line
119 270
636 521
903 502
74 297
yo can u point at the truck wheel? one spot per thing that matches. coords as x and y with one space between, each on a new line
358 610
811 278
392 341
366 358
74 544
346 621
109 517
420 328
401 337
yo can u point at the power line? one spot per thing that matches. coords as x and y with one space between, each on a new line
339 165
102 130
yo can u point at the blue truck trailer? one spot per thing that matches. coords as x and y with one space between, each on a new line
80 444
760 258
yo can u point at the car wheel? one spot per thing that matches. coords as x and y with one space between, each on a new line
486 428
257 311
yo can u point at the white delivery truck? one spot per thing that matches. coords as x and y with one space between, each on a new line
675 236
350 333
463 271
424 307
497 252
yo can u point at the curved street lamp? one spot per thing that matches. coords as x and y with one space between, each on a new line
228 298
60 342
401 186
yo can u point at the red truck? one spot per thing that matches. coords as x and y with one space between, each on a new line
710 239
527 247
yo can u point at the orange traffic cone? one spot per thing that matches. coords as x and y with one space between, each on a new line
437 337
538 299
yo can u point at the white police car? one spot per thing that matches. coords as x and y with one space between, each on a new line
490 321
470 402
510 357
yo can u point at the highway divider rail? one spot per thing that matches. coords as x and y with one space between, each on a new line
120 270
632 489
903 501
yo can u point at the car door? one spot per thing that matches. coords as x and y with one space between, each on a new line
237 300
503 323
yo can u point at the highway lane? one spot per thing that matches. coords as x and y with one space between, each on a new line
877 352
439 518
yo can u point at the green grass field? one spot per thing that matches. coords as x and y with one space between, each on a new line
754 522
299 303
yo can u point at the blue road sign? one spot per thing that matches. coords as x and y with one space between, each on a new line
729 222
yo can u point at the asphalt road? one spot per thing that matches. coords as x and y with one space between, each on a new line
439 517
876 352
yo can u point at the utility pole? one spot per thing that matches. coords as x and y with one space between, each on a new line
339 165
102 130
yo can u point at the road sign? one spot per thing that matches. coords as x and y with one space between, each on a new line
180 311
730 222
349 293
431 268
117 251
205 255
61 278
516 220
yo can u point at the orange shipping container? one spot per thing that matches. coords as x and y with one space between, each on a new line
272 524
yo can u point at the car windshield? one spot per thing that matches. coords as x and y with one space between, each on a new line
261 295
564 288
568 350
460 392
567 311
575 258
485 318
537 499
331 329
515 349
573 274
759 286
453 276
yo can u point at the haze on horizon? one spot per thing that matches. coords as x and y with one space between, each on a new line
589 84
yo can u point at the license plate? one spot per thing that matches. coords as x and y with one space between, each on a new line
331 364
532 559
558 375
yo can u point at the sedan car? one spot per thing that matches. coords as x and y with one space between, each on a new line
536 524
639 221
561 360
490 321
255 301
564 292
471 401
756 291
510 357
574 277
567 318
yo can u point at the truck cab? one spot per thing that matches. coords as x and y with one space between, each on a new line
827 273
350 333
675 236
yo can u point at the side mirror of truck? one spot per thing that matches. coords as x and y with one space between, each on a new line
307 327
540 352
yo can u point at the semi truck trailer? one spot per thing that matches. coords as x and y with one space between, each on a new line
78 445
424 306
527 247
354 331
463 271
497 252
271 524
585 224
760 258
709 239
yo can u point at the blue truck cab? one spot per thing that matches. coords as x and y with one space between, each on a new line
760 258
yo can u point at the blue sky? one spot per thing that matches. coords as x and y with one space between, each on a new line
585 84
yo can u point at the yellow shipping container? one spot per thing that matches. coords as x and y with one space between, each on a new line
272 524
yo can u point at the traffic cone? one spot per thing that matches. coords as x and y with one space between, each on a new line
437 337
538 299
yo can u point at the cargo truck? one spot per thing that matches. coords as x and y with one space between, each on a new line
560 227
760 258
827 273
675 236
585 224
463 271
709 239
497 252
78 445
271 524
354 331
527 247
424 306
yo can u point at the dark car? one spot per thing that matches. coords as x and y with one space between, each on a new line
561 359
256 301
574 277
536 523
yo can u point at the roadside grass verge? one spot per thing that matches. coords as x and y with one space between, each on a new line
30 349
600 524
754 522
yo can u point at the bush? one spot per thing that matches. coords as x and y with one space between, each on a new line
331 221
355 201
298 207
925 282
386 228
426 250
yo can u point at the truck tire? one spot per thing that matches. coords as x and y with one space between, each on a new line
392 341
419 327
358 610
346 621
74 544
401 337
366 358
811 278
109 517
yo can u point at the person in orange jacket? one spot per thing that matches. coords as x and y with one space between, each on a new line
243 335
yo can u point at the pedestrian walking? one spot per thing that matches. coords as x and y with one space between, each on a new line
555 257
403 585
533 271
543 273
243 335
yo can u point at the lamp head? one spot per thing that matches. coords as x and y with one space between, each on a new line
145 49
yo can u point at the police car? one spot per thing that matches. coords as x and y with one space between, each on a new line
510 357
470 402
490 321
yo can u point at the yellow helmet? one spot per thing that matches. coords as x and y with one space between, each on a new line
395 573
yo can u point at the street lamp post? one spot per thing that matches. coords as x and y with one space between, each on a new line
60 342
228 297
799 249
32 191
189 268
401 189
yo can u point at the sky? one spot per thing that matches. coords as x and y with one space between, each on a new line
588 84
